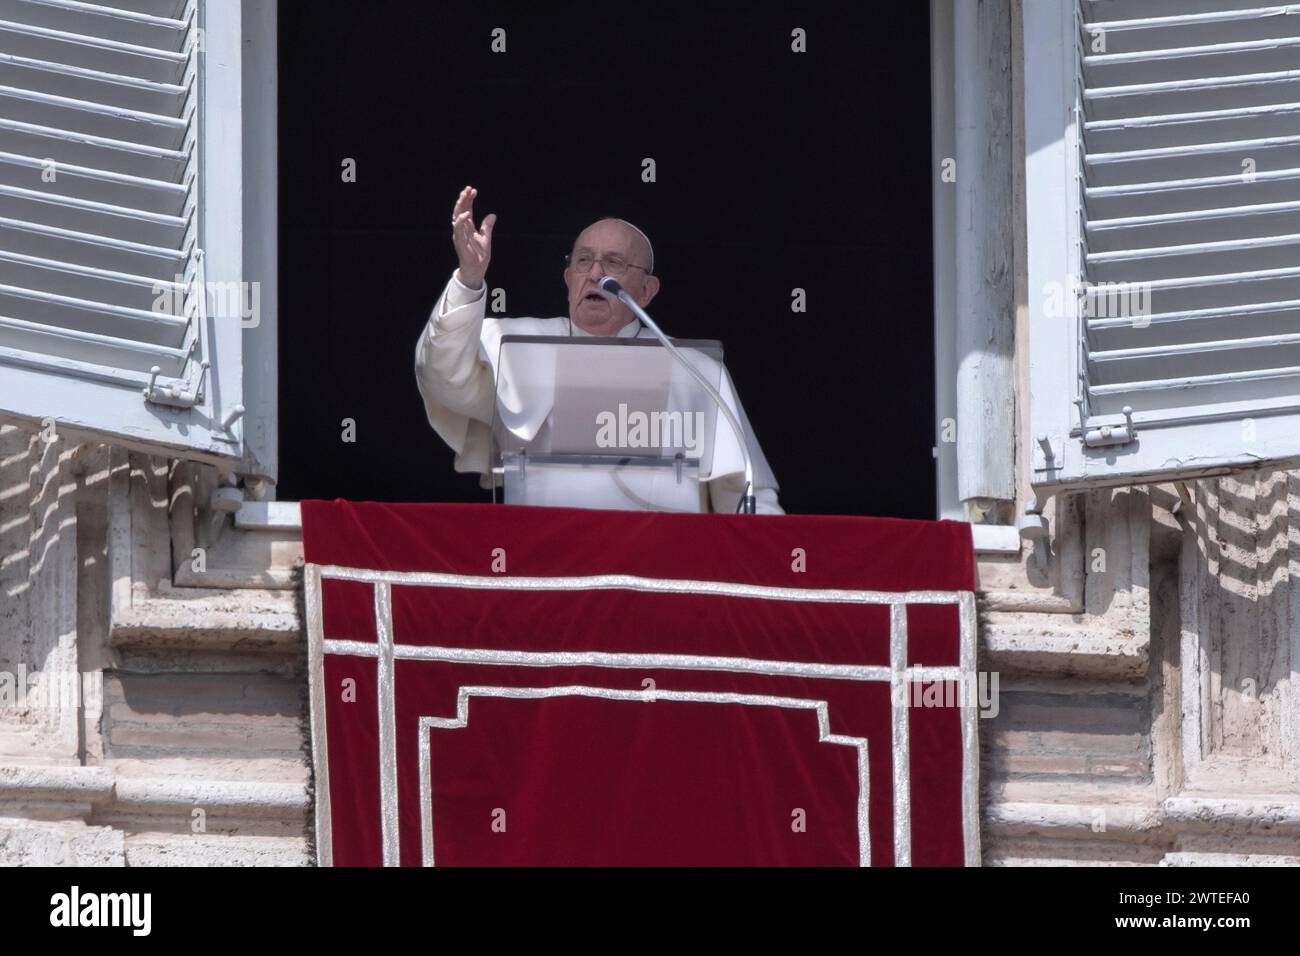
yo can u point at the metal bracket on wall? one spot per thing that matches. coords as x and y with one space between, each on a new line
1034 528
1106 435
178 396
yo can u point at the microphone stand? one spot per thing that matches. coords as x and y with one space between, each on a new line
610 288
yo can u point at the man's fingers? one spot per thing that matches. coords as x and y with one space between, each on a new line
463 228
463 232
464 202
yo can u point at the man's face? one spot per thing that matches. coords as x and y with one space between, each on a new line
588 309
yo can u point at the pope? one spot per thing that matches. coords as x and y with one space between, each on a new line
453 358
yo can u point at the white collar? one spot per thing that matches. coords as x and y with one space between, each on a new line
631 330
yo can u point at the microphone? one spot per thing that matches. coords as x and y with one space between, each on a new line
609 287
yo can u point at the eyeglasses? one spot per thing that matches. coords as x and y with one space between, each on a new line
613 265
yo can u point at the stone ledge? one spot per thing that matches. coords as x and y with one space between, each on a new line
1272 815
1203 859
151 849
217 797
1138 822
1265 827
107 791
1041 602
72 784
243 620
1046 644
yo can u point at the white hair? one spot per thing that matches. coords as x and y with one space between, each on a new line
650 266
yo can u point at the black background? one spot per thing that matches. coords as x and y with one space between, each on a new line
775 170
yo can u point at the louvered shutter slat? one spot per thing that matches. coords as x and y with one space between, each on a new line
126 92
95 251
126 355
93 152
120 23
84 48
90 216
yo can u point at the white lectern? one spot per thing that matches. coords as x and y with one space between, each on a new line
612 423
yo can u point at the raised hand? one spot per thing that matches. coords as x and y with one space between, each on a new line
473 246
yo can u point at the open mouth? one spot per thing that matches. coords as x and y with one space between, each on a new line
593 297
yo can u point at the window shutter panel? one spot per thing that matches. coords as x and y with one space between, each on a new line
1184 144
104 318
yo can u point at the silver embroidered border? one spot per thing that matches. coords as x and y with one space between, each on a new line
970 738
387 651
385 683
461 720
899 735
632 582
319 750
693 662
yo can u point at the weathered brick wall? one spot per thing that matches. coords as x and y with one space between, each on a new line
1070 732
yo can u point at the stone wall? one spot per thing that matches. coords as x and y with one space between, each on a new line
187 746
1162 730
1146 659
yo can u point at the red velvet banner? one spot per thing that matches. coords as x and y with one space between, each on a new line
498 685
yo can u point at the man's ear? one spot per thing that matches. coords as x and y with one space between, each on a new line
649 289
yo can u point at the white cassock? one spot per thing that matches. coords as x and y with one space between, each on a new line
454 368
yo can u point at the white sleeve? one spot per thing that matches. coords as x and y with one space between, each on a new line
728 462
458 294
454 382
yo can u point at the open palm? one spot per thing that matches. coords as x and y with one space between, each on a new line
473 245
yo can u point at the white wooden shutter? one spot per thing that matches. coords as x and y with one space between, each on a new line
1178 138
104 320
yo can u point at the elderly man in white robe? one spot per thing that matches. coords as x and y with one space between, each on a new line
452 359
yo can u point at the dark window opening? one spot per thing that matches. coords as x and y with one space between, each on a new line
776 170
